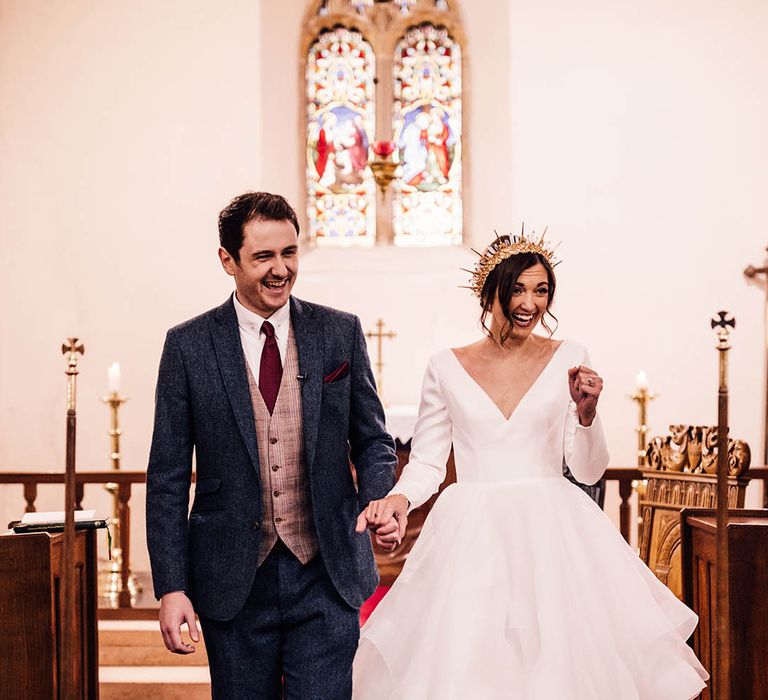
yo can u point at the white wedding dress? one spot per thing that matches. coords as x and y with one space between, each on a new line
518 585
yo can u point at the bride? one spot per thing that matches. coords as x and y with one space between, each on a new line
518 585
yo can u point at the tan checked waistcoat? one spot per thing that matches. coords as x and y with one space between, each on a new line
286 503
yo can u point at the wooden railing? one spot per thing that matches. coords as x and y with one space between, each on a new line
624 476
125 479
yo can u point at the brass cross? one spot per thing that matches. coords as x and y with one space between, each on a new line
380 334
722 320
72 349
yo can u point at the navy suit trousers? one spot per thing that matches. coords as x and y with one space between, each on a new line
295 637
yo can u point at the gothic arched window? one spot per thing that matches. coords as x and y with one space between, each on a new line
340 122
383 86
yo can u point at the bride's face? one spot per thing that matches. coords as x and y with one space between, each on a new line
527 304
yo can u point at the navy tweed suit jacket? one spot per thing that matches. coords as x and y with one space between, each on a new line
203 406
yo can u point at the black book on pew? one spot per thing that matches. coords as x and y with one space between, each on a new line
20 527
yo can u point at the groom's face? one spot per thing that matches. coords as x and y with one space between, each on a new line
268 265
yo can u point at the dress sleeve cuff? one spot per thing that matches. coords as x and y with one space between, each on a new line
400 491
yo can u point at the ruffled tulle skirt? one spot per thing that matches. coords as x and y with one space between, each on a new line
525 590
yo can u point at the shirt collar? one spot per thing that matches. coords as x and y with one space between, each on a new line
251 322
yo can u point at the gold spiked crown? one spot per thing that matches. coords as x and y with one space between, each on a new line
505 247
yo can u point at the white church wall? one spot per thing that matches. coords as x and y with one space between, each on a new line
632 131
125 128
639 139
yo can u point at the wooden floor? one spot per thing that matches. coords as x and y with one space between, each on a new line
133 663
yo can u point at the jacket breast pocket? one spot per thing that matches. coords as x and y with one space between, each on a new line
208 495
338 386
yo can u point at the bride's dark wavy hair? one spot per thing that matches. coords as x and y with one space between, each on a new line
502 281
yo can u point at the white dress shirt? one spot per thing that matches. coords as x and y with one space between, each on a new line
252 338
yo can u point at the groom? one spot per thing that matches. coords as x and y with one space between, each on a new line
274 396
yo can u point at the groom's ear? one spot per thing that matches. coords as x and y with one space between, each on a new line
227 262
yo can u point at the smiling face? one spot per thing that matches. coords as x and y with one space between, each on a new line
267 267
527 304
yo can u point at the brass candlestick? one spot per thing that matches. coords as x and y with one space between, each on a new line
111 580
384 170
379 334
642 397
384 167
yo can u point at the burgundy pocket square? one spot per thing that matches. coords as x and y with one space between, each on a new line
339 373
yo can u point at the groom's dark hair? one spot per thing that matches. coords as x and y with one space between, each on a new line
251 206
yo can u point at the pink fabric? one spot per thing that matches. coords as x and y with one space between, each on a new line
287 507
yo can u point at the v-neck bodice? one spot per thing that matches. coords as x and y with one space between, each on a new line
501 414
532 443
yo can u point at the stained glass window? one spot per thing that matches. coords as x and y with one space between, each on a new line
427 131
340 126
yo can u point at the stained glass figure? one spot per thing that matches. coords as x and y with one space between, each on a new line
427 128
405 5
340 123
361 5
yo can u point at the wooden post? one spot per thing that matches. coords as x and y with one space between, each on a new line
752 272
722 632
69 671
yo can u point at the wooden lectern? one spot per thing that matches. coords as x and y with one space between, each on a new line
31 617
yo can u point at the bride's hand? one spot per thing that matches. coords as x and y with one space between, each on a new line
585 386
378 513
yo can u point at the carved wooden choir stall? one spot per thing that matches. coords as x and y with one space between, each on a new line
682 472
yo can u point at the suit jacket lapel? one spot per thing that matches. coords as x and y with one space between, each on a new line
229 353
309 347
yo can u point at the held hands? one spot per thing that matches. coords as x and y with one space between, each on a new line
387 517
585 386
176 608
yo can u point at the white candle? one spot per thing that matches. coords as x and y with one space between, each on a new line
113 378
641 380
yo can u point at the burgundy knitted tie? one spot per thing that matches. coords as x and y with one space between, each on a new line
270 370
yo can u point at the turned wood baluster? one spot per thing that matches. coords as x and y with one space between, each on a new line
30 494
124 515
625 493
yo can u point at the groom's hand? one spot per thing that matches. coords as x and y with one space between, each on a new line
388 535
175 609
